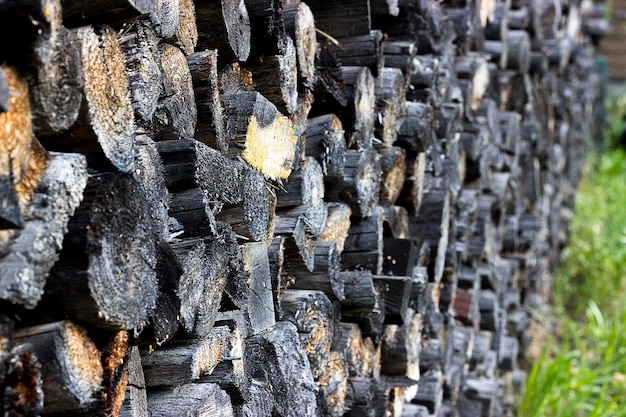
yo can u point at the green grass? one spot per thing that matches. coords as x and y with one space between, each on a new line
582 370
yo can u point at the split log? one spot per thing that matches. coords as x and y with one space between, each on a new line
363 248
34 251
259 134
261 306
143 68
518 51
210 127
71 367
224 26
313 315
483 391
302 195
401 346
176 115
300 25
337 225
107 112
135 404
325 142
275 77
90 266
201 285
359 352
393 166
195 400
497 22
390 105
294 246
360 185
329 88
17 124
400 256
402 55
79 13
23 394
359 51
348 18
361 297
185 361
358 118
395 293
192 212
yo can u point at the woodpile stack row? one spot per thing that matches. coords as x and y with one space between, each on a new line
266 208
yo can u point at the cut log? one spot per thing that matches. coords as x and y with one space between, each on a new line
412 192
135 404
313 315
416 132
359 352
334 385
90 266
16 122
341 19
363 248
71 367
34 252
143 68
302 195
360 185
224 26
396 223
275 77
165 18
192 212
337 225
358 119
279 359
401 54
390 105
186 36
359 51
401 346
176 115
393 166
300 25
196 400
259 134
325 142
79 13
210 127
261 305
107 113
395 293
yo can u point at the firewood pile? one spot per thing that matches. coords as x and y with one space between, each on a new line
264 208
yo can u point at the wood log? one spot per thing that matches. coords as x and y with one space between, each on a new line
107 111
71 368
190 400
518 51
329 88
280 359
176 115
300 25
393 166
135 404
79 13
334 385
89 266
313 315
390 105
361 297
225 27
497 22
192 212
358 118
396 222
395 292
302 195
359 352
143 67
23 393
295 245
35 250
358 51
416 133
363 248
325 142
259 134
210 127
401 346
360 185
342 19
186 36
261 307
360 396
402 55
430 391
275 77
201 285
165 18
337 225
17 124
400 256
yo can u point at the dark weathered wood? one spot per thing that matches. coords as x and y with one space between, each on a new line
358 51
79 13
90 266
71 368
334 385
359 352
35 250
190 400
402 55
341 19
395 292
135 403
363 248
416 133
401 346
107 114
210 127
390 105
186 36
413 189
358 118
393 166
300 25
143 67
325 143
176 115
360 185
261 306
396 222
224 26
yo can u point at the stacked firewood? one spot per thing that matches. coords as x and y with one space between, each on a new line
278 208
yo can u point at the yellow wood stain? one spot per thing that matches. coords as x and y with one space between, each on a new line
271 149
